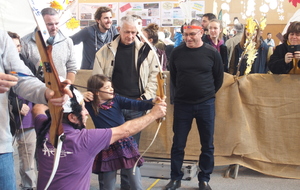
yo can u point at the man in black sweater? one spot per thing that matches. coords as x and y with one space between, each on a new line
196 70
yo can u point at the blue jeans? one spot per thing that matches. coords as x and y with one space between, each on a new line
128 115
204 113
7 172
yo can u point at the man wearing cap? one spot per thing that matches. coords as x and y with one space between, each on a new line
80 145
196 71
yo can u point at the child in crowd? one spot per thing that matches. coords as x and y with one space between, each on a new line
105 109
215 39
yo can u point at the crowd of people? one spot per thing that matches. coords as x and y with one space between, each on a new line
119 93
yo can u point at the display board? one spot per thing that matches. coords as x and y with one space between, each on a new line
164 13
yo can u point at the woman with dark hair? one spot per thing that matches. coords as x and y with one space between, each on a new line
286 56
260 63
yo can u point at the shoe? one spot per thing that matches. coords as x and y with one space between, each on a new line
173 184
203 185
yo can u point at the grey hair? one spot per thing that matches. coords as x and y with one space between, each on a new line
239 28
128 19
195 22
49 11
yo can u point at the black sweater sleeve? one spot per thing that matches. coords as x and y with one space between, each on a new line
218 71
276 63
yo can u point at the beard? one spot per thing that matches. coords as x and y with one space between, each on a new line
77 125
104 25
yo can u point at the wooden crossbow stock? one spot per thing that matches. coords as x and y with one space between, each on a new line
44 43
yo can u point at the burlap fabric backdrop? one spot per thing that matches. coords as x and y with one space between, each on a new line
257 125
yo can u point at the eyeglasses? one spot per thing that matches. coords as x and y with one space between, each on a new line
193 34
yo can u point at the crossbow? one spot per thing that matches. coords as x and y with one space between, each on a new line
44 43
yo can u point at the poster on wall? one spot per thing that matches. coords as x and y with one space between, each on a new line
86 13
164 13
149 12
176 14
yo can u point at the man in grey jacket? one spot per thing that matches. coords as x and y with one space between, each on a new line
232 42
30 88
63 49
94 37
131 65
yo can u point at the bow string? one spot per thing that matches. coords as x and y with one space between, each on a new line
161 92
